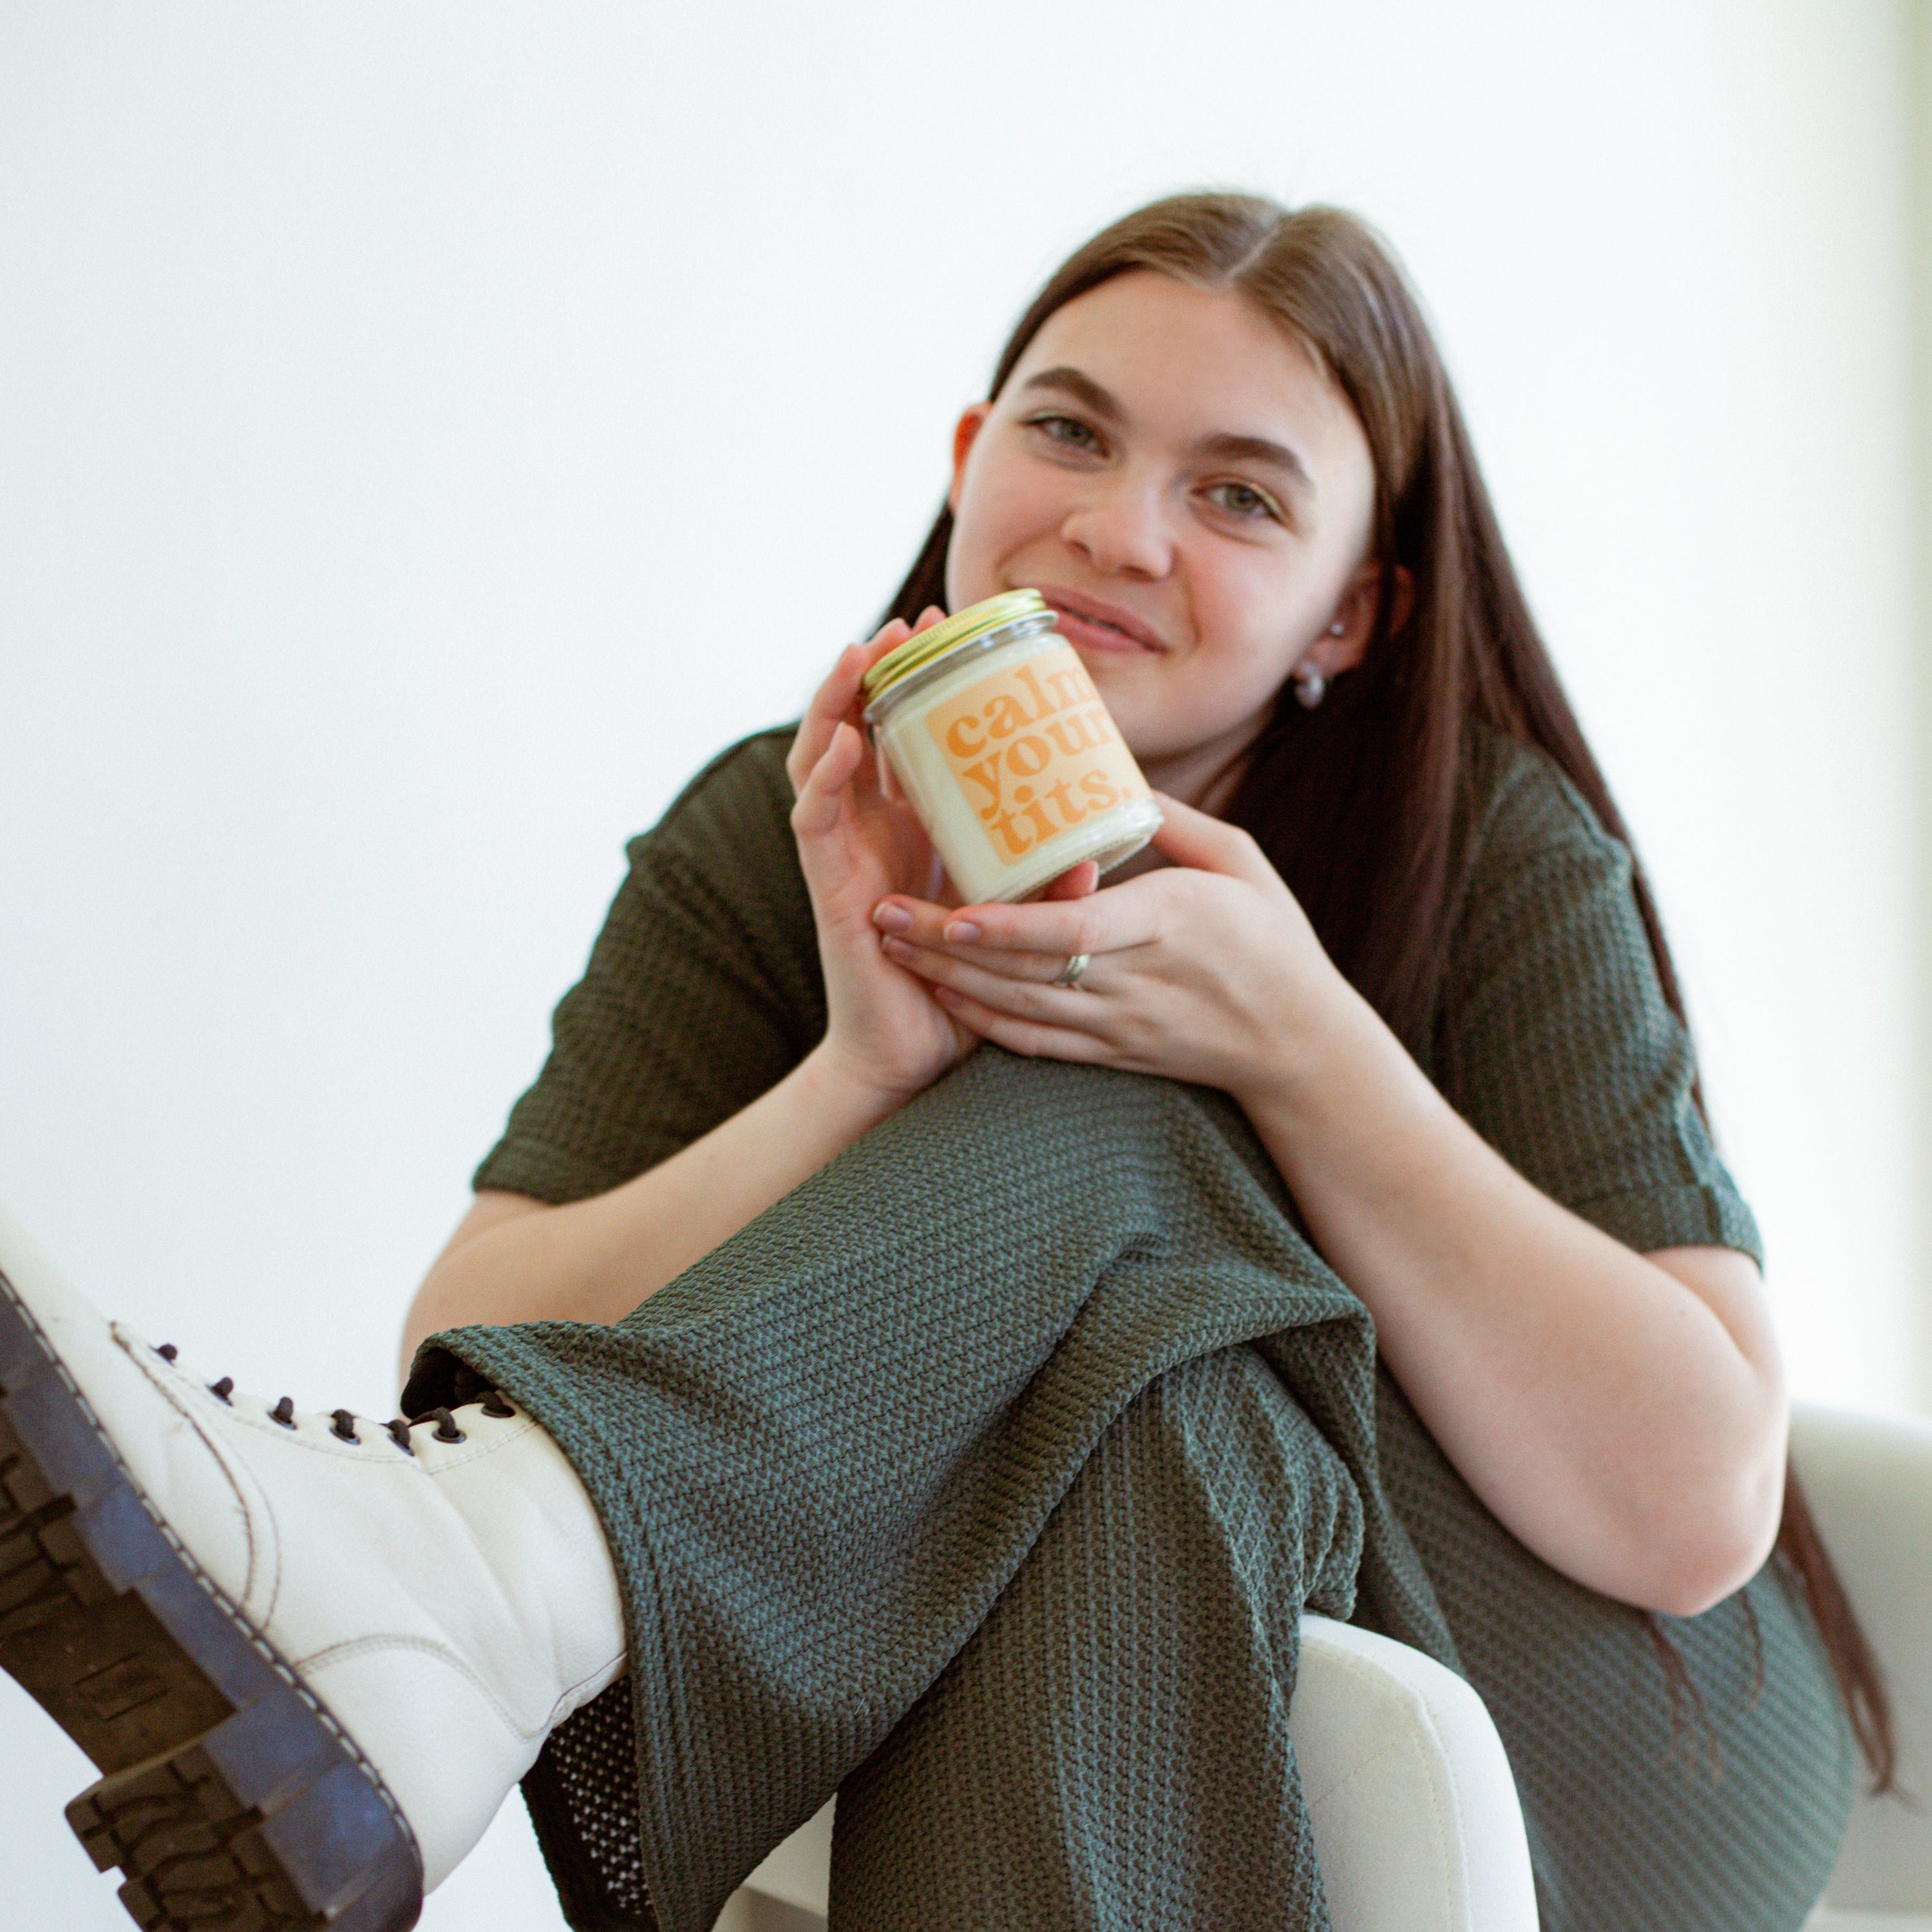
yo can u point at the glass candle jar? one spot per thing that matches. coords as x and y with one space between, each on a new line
995 733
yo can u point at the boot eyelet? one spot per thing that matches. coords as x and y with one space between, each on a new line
446 1430
494 1404
399 1434
284 1412
343 1427
167 1351
222 1389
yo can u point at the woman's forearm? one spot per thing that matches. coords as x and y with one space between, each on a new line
1628 1429
595 1260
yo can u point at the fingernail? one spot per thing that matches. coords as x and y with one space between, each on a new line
961 932
892 918
895 949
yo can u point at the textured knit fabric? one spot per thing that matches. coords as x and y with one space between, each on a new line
982 1479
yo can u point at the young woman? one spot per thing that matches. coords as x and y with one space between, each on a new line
977 1359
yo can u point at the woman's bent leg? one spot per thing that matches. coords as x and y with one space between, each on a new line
1111 1750
1722 1816
821 1455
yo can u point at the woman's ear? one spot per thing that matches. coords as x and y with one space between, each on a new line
965 435
1337 651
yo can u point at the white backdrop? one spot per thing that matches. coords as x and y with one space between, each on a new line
428 430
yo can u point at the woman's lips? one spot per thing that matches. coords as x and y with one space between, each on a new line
1088 624
1098 640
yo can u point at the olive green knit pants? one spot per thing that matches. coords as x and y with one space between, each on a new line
982 1480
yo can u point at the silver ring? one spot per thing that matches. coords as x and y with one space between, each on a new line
1077 963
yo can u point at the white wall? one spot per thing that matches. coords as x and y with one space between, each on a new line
1918 82
428 430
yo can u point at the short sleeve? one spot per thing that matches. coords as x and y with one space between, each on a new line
1556 1042
702 992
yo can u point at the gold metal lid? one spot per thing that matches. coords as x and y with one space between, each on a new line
994 614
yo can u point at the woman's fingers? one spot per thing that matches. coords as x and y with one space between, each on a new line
1031 1037
890 637
831 703
837 699
821 796
1030 993
1107 922
1039 968
1076 883
1210 844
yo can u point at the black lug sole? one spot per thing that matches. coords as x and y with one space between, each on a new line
228 1798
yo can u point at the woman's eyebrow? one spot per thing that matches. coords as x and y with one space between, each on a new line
1101 401
1258 449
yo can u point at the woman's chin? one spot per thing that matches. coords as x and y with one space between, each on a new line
1146 726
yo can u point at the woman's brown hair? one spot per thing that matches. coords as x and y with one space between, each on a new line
1361 803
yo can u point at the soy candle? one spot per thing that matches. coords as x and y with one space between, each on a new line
995 733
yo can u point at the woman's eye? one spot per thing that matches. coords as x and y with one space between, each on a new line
1243 500
1070 431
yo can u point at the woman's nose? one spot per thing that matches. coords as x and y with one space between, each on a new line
1122 530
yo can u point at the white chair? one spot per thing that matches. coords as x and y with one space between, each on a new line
1416 1821
1870 1480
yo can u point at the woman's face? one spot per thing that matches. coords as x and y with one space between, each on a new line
1190 493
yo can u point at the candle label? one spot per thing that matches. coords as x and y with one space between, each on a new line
1034 752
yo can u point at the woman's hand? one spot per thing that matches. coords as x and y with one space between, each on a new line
1206 969
856 844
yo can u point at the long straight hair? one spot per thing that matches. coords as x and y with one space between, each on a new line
1361 804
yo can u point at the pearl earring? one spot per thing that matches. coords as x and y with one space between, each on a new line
1310 685
1335 630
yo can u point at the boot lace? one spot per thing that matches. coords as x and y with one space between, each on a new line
342 1421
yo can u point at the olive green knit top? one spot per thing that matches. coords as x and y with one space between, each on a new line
704 990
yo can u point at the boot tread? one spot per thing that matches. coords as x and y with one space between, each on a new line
232 1801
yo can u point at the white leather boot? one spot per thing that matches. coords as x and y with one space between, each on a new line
311 1653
